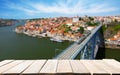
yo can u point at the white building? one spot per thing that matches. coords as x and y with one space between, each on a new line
75 19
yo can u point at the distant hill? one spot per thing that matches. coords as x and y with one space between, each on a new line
7 22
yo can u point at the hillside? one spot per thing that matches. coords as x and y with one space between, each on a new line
7 22
111 29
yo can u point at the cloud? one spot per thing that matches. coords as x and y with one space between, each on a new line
102 8
20 7
64 7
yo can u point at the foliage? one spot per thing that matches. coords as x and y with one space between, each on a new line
117 27
67 29
35 19
111 30
81 30
92 24
64 25
91 18
115 20
104 28
80 18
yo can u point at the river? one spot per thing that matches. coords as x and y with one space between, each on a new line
20 46
112 54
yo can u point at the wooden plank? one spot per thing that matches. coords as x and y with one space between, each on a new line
79 68
49 67
19 68
93 68
101 63
113 65
64 66
5 62
35 67
10 65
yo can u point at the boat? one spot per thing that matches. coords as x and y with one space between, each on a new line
56 39
27 33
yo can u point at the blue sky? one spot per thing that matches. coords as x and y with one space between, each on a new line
19 9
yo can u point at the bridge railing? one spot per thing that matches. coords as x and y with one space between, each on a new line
64 51
84 43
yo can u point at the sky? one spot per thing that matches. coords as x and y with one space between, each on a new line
24 9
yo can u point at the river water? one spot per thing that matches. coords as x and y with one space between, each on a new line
20 46
112 54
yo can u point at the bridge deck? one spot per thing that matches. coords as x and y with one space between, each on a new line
73 50
80 67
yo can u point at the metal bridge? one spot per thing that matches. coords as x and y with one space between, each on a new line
87 46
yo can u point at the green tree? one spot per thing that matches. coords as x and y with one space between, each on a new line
67 29
81 30
92 24
117 27
80 18
104 28
64 25
91 18
116 20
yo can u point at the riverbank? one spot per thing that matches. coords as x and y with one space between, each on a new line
47 34
112 47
